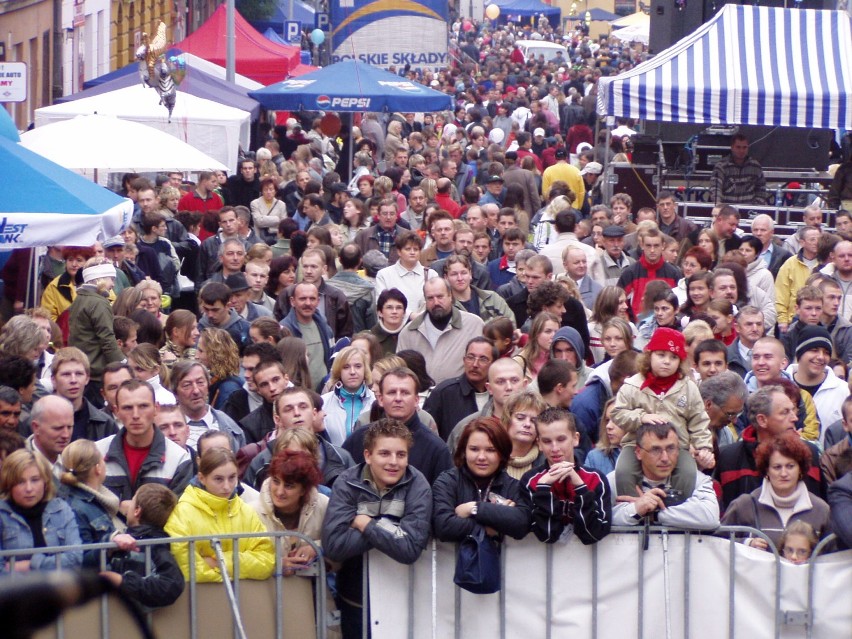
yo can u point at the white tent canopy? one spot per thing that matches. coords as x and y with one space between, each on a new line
88 142
748 65
214 129
634 33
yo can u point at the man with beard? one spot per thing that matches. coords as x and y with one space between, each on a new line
441 332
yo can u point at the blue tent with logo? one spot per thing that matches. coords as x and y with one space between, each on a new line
351 86
46 204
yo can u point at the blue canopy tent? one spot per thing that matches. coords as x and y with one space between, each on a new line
272 34
197 82
749 65
529 9
52 205
351 86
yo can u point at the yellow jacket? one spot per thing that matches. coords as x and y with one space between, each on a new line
52 299
201 513
791 277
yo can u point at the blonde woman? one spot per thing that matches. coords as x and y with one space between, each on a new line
152 299
147 365
218 352
545 231
350 394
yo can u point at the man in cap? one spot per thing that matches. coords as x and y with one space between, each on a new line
613 258
240 292
813 374
495 192
591 172
114 252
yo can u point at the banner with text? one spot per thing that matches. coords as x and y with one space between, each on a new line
388 33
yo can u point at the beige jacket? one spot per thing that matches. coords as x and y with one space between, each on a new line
683 404
446 359
310 519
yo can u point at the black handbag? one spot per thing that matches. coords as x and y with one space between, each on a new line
478 563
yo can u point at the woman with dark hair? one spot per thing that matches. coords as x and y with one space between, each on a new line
149 330
757 272
664 307
783 497
695 260
282 273
479 491
289 501
697 295
354 218
610 302
709 241
415 362
298 244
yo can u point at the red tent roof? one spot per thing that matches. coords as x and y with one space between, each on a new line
257 58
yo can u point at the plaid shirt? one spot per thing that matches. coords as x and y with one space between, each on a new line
735 184
385 240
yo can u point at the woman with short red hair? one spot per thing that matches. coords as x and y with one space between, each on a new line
783 498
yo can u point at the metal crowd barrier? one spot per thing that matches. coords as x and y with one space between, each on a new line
434 563
232 586
666 605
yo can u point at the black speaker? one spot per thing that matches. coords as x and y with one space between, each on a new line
639 182
672 20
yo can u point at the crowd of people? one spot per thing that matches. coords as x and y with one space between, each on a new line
462 338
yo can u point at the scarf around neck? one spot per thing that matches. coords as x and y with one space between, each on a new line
659 385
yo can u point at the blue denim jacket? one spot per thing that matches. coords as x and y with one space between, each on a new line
60 529
94 523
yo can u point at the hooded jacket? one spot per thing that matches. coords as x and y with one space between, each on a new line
202 513
163 584
360 295
90 329
572 336
791 277
491 305
340 418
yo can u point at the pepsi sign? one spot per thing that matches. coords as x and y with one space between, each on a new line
326 102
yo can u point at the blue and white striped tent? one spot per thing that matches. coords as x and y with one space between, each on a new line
748 65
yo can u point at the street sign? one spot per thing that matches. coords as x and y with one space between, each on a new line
293 31
13 81
321 21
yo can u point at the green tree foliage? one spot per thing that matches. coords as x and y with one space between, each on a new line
253 10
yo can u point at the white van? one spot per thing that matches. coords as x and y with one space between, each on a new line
533 48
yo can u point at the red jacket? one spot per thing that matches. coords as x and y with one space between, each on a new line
448 204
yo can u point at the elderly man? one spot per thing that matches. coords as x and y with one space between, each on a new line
191 387
613 258
565 223
770 414
440 332
657 450
724 398
811 218
738 178
750 328
454 399
52 422
773 253
576 266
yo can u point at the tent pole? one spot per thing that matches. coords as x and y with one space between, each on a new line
351 147
230 41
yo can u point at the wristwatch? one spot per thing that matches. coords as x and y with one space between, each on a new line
474 510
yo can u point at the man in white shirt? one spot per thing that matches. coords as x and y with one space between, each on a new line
408 274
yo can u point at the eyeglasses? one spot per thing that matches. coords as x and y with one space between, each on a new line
733 415
657 451
476 359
